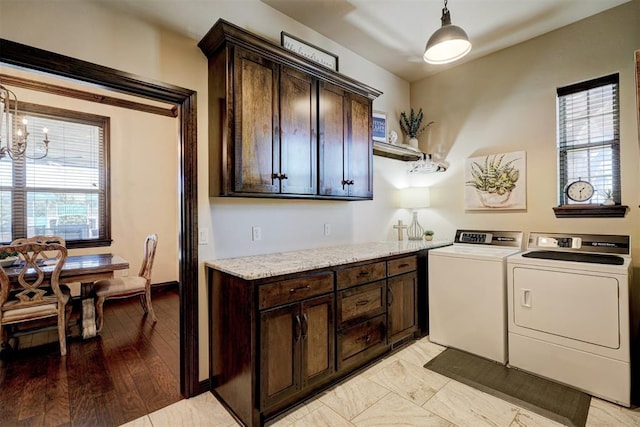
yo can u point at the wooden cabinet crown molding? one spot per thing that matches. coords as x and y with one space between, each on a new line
225 32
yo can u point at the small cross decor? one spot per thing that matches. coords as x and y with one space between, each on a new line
400 227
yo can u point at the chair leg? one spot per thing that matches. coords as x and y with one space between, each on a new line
143 303
99 313
149 306
62 332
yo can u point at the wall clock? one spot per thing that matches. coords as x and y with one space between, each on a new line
579 191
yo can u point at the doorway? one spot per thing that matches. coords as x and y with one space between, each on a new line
28 57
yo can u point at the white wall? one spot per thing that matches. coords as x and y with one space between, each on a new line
507 102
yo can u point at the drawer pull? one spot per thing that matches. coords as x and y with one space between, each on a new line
364 273
365 338
403 265
299 288
362 302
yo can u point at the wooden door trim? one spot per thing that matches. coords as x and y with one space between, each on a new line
32 58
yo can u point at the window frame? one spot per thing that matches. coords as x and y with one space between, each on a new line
588 209
104 174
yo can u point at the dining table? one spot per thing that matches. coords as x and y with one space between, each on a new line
86 270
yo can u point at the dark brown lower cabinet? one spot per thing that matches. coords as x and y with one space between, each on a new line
278 340
402 301
297 348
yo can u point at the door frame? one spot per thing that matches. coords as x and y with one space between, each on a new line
16 54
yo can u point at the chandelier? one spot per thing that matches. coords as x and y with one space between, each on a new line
14 135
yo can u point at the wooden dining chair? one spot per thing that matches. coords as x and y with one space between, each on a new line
129 286
42 240
31 291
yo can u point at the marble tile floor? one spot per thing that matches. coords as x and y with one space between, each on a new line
396 391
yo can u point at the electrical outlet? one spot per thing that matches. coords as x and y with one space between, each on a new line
203 236
256 233
327 229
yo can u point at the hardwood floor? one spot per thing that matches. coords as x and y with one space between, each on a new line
131 369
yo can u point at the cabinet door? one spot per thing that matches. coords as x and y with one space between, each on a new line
298 138
333 134
318 340
360 146
280 334
402 297
255 117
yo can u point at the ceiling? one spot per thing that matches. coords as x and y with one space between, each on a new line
390 33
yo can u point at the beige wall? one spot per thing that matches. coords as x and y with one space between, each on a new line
507 102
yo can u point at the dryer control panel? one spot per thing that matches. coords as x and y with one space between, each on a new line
602 243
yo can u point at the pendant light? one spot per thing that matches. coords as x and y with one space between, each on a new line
449 43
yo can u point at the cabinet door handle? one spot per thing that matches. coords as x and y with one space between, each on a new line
305 325
362 302
283 176
275 176
299 288
298 329
350 182
344 182
389 297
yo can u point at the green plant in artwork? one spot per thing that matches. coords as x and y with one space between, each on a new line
493 176
412 125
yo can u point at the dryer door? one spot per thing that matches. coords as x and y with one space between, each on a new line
581 307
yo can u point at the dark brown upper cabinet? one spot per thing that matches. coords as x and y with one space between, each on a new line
283 126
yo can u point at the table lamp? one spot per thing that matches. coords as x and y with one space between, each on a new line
414 198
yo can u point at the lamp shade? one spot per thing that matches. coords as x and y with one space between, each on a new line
415 198
449 43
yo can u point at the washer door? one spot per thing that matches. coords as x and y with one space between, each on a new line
582 307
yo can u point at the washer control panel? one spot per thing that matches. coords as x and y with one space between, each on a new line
512 239
559 242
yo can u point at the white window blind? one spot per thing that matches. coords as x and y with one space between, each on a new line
64 193
589 137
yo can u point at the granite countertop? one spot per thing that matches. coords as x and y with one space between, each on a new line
276 264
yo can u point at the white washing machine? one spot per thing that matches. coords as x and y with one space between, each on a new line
468 292
568 298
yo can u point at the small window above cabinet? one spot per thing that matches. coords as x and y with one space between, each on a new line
280 126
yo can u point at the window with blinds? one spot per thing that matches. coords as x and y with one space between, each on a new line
65 193
589 138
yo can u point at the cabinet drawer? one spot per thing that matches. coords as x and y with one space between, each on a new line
359 338
402 265
361 302
292 290
362 274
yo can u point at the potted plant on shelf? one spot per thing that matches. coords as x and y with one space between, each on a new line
428 235
609 198
412 126
493 180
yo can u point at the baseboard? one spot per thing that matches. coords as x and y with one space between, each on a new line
204 386
164 286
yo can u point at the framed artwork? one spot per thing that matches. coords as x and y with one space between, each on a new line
496 182
379 126
309 51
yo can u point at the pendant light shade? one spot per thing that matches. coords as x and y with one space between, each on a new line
447 44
